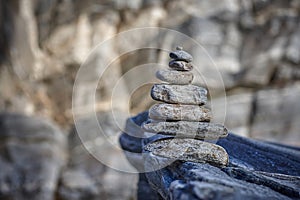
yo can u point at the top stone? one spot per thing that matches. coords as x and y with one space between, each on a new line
181 55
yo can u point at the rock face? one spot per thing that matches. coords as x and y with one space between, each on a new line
32 154
184 118
86 177
254 44
256 170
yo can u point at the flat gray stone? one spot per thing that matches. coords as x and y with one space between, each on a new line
189 150
175 77
179 112
180 65
199 130
182 94
181 55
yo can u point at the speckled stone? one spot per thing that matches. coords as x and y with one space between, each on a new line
181 94
180 65
189 150
181 55
199 130
179 112
175 77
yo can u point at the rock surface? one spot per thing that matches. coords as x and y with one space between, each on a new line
174 77
199 130
32 154
257 170
189 150
179 112
254 45
85 176
181 94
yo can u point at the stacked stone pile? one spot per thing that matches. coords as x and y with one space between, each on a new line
183 116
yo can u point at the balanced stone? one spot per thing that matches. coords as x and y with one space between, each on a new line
179 112
198 130
181 94
189 150
180 65
181 55
175 77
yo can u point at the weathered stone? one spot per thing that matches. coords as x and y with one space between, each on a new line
180 65
202 181
145 190
179 112
86 167
183 94
175 77
77 184
189 150
257 170
32 154
199 130
293 49
277 112
239 108
181 55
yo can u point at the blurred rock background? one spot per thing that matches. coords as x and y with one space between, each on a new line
255 44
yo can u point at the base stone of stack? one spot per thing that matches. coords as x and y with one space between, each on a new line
189 150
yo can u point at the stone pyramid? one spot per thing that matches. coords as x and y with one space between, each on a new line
182 114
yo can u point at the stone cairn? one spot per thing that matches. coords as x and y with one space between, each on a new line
183 117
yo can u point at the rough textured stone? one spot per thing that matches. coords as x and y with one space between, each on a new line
183 94
238 112
181 55
189 150
277 112
180 65
145 190
77 184
86 177
293 49
234 33
257 170
175 77
202 181
179 112
200 130
131 140
32 153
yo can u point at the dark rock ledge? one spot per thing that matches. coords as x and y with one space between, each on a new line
257 170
